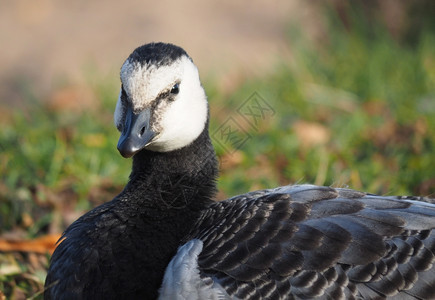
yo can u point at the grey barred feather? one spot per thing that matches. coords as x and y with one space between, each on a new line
307 242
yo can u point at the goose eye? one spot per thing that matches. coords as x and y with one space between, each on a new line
175 89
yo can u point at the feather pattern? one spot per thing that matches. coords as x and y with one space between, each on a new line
304 242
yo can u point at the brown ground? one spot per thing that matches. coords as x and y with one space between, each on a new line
47 43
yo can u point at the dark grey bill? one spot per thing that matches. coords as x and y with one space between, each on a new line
136 133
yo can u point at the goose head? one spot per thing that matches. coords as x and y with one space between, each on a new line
162 105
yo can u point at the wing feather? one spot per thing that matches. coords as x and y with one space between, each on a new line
308 241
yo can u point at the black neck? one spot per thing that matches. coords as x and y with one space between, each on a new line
166 194
183 178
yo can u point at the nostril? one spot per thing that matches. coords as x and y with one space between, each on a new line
142 130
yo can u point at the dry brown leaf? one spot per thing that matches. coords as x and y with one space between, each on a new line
5 118
42 245
73 98
376 108
264 168
230 160
311 134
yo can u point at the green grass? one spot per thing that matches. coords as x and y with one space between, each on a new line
376 96
369 97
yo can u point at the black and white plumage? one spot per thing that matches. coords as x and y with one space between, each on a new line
165 237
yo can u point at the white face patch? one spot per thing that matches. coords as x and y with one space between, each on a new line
179 122
144 83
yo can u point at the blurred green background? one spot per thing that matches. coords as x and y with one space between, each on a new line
349 89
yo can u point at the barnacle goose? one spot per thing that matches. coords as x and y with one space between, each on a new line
164 237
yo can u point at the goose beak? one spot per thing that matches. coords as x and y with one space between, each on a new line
136 134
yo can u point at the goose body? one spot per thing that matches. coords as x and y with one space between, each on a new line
164 237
